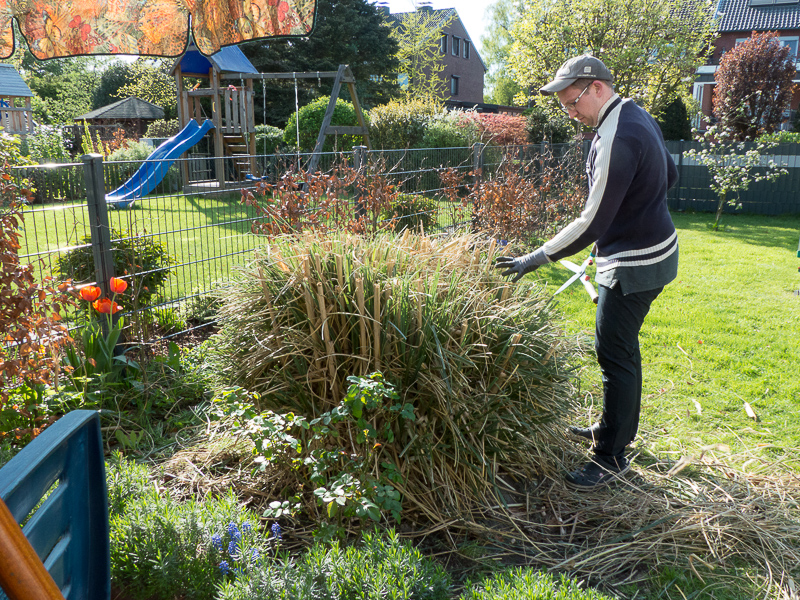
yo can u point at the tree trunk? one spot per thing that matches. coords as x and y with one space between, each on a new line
720 206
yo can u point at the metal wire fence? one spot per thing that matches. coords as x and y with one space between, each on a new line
189 234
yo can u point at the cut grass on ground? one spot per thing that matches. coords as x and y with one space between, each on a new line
726 332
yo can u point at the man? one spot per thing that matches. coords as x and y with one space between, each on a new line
629 171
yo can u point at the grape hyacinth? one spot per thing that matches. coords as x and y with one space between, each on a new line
224 567
234 532
216 541
276 531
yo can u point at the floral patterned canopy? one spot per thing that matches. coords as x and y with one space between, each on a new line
55 28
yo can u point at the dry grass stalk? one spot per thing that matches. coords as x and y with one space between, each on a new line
440 331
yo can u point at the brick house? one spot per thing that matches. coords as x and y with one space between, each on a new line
464 69
737 20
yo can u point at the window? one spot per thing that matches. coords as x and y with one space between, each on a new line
456 45
771 2
466 48
791 41
403 81
443 44
454 85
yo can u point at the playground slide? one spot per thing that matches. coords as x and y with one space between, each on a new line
153 170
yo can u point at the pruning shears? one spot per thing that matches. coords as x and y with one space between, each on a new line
580 273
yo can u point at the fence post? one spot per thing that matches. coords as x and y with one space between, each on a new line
360 165
477 162
680 177
98 222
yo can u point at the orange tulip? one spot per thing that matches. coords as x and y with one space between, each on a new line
90 293
118 285
106 306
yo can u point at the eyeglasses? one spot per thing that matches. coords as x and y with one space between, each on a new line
571 106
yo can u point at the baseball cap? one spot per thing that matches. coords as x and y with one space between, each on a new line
584 66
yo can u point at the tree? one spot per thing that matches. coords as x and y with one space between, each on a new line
116 76
349 32
62 87
497 43
733 164
652 47
418 36
674 121
152 82
754 86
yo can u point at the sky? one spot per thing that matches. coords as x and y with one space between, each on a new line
472 13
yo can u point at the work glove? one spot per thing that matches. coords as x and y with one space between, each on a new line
521 265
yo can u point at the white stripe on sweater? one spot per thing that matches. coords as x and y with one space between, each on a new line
601 166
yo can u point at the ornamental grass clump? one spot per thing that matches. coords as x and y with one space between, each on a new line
479 360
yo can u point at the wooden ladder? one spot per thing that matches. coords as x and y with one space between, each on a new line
236 147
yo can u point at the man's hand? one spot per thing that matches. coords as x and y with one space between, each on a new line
513 266
521 265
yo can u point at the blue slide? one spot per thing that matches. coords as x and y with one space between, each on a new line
153 170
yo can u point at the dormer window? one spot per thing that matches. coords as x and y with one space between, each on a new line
771 2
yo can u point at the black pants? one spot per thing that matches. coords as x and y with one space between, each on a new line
619 319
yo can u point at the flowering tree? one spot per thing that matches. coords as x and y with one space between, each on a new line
754 85
733 164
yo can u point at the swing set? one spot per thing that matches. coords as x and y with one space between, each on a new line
232 112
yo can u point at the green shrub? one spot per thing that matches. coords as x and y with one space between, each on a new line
543 126
268 138
454 129
132 254
311 117
781 137
47 146
349 475
401 123
199 307
674 121
169 320
379 568
417 213
531 585
164 549
132 152
127 482
162 128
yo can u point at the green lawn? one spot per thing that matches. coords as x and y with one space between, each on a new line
725 332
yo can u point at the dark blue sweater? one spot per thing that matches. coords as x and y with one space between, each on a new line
626 213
